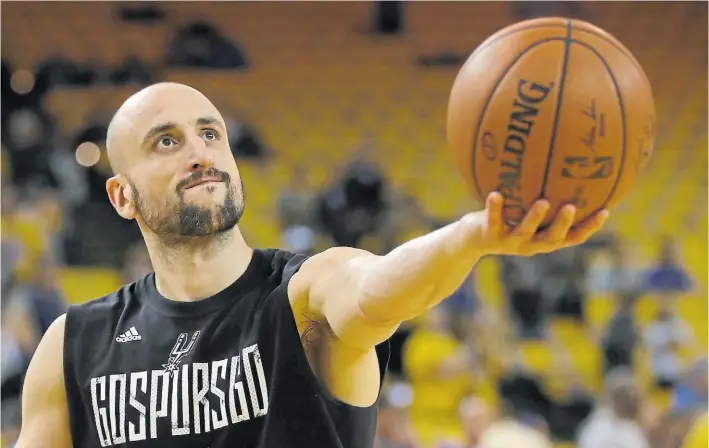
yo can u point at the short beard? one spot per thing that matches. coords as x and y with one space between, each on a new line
184 220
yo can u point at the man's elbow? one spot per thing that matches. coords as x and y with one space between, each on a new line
360 327
371 320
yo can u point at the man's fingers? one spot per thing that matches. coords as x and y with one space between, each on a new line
586 229
559 228
529 225
493 204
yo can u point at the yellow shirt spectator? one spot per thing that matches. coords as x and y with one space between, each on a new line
439 369
31 239
698 436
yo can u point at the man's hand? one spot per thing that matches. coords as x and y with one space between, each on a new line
489 233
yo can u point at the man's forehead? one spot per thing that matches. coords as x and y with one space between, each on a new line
179 105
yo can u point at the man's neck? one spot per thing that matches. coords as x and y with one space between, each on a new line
198 269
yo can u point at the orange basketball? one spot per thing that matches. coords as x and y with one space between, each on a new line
551 108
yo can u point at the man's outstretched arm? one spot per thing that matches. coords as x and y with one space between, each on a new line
364 297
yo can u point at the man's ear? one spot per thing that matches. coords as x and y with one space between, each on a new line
121 196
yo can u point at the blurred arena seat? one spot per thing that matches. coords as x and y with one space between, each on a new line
82 284
319 82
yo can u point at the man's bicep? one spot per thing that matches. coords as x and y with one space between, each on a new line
332 295
45 417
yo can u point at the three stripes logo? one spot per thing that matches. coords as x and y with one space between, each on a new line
130 335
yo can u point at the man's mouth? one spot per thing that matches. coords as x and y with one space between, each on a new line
203 181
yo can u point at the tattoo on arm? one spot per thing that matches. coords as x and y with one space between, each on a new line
314 340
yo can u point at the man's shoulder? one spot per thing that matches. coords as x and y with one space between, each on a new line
322 263
276 257
285 263
280 264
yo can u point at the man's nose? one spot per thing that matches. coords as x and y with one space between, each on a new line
201 157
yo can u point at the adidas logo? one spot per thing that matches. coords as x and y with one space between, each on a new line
130 335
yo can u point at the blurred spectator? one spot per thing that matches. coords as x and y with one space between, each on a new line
440 369
38 301
527 397
244 140
28 309
132 70
668 277
51 207
295 207
59 71
623 278
564 285
141 13
356 205
41 208
24 233
137 262
672 429
698 436
664 337
73 188
690 394
10 260
527 9
619 275
463 302
621 335
394 427
509 433
201 45
27 137
10 414
35 209
522 281
15 334
475 417
572 402
495 341
617 421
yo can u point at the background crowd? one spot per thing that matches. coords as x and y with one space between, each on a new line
336 115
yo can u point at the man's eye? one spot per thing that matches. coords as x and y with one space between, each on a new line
210 135
166 142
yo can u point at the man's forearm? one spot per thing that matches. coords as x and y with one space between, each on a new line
364 297
417 275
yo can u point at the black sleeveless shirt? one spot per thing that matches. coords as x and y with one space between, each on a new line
227 371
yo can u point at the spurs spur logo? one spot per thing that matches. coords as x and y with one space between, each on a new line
181 349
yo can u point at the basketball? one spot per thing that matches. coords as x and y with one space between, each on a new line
551 108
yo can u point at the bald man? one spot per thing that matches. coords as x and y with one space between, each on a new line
227 346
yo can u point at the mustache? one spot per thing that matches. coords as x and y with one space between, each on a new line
198 175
